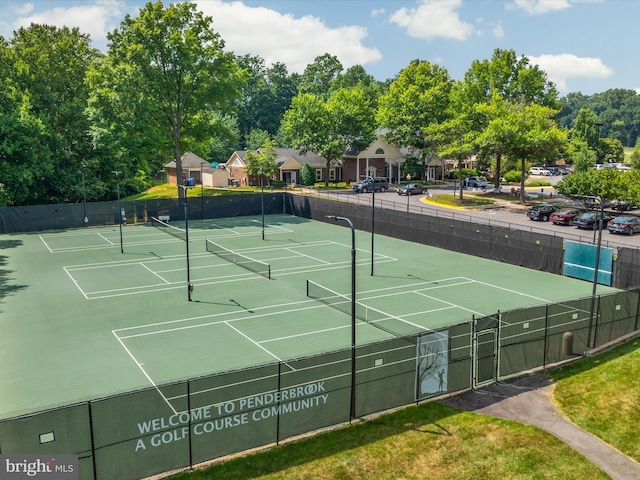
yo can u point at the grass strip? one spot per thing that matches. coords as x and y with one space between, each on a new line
602 395
430 440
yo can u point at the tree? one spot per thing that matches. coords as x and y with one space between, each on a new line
318 76
581 156
611 150
608 184
256 139
329 128
417 98
504 77
617 109
528 132
454 136
265 97
635 156
50 66
307 175
262 163
25 159
165 81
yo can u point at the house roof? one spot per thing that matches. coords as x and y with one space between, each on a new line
380 147
239 158
190 161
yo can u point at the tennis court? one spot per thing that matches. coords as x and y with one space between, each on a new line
82 320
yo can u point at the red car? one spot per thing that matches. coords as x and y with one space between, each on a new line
564 216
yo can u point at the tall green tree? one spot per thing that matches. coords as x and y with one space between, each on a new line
527 132
318 76
265 97
617 109
505 77
536 135
635 156
329 128
24 157
417 99
49 71
581 156
262 162
163 84
608 184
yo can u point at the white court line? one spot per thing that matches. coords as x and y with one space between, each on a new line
313 332
453 305
105 238
300 254
45 243
218 322
144 373
75 283
544 300
163 279
225 228
252 341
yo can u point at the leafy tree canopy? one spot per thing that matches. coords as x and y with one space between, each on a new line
165 79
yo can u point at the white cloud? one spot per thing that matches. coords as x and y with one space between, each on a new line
276 37
378 11
563 67
433 18
539 6
497 30
24 9
95 18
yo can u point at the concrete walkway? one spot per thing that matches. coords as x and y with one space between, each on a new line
529 400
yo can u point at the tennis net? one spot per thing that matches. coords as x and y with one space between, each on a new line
256 266
170 229
342 303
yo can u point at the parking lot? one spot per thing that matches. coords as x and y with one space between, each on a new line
509 212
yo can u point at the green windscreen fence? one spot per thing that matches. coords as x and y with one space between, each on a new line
149 431
580 262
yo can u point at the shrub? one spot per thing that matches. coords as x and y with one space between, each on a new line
307 175
466 172
514 176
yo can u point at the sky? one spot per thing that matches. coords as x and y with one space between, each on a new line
586 46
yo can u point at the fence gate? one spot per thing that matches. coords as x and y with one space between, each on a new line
485 351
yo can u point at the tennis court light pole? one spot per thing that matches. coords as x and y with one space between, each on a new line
373 219
262 196
186 238
595 271
202 186
84 200
352 413
117 174
598 224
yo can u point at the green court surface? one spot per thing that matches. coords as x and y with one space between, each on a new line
82 320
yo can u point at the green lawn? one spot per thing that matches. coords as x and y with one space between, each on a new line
438 442
601 395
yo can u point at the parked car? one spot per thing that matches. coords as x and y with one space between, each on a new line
629 225
369 184
621 205
564 216
539 171
474 182
541 212
590 220
412 189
